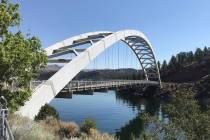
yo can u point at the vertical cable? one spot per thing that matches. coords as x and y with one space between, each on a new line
105 59
112 55
118 54
94 63
126 56
123 57
108 51
131 58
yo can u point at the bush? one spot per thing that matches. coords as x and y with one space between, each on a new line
25 129
47 111
96 135
51 129
87 125
68 130
15 99
51 124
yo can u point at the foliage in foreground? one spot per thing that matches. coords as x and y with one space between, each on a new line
51 129
63 129
26 129
21 57
186 120
16 98
87 125
47 111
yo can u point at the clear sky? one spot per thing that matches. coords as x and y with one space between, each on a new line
171 25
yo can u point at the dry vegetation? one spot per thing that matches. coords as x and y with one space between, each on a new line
51 129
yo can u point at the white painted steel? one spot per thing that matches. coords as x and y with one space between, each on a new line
49 89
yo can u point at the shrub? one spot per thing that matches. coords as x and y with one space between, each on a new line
51 129
47 111
68 130
51 124
15 99
96 135
87 125
25 129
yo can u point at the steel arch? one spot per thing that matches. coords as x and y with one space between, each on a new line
100 41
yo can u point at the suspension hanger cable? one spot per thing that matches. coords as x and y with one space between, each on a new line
108 57
123 57
118 54
126 57
112 56
94 63
131 58
105 59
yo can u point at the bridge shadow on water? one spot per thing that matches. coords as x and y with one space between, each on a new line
135 127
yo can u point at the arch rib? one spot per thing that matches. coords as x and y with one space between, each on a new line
134 39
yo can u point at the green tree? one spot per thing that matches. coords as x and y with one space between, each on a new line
198 54
164 66
205 51
181 58
186 119
190 57
47 111
21 57
172 63
9 17
208 50
159 65
163 70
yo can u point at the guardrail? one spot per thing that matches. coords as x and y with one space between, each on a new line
83 85
5 131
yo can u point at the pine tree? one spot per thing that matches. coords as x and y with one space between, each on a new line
181 58
172 63
159 65
198 54
190 57
164 68
208 50
205 51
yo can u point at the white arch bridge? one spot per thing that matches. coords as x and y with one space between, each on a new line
99 41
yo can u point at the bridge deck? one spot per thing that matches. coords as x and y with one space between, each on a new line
92 85
99 42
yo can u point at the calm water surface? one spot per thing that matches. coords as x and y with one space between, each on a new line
114 113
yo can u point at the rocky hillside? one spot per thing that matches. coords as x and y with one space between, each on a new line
190 72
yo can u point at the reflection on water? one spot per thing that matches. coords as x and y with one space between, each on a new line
115 113
135 126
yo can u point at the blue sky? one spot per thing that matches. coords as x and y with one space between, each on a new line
171 25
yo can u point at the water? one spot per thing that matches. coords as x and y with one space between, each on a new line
115 113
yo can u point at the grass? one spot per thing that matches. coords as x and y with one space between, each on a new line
96 135
26 129
51 129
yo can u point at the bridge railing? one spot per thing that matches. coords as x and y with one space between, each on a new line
36 84
106 83
77 84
